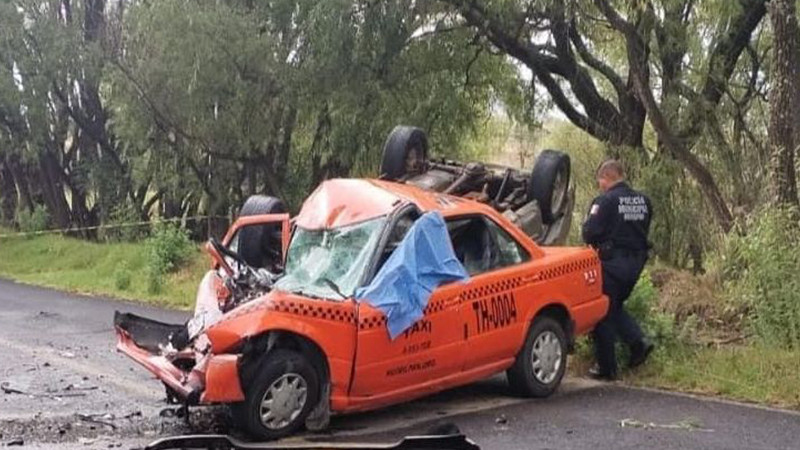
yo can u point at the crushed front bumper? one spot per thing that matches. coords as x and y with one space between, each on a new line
193 376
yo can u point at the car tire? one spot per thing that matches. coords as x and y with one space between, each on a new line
404 153
549 184
286 377
541 363
256 242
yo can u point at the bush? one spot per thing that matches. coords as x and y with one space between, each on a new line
760 270
36 220
643 306
167 248
122 277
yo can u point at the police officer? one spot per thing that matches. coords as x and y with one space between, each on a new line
617 226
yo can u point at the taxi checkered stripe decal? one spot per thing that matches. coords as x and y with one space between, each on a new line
434 307
494 288
372 322
323 312
570 267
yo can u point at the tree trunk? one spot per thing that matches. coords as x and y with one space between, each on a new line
783 102
21 182
53 190
8 194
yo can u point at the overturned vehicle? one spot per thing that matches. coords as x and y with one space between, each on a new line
380 291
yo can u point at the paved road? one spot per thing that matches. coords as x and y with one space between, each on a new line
77 393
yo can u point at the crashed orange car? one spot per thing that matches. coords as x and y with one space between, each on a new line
379 291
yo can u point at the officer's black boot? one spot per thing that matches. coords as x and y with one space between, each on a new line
639 353
603 375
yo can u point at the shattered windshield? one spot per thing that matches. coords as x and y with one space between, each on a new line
330 263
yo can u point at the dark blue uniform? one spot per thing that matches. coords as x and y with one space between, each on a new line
618 225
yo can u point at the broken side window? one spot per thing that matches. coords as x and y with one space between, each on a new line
482 246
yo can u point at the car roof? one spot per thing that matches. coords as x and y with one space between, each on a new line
347 201
342 202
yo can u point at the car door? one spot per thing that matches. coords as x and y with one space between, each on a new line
490 314
430 349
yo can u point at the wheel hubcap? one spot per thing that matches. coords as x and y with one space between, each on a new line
546 357
283 401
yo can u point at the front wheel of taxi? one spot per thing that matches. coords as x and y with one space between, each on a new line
279 397
542 361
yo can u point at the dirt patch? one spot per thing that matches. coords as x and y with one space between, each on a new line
698 304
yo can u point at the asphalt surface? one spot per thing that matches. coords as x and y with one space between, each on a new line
65 387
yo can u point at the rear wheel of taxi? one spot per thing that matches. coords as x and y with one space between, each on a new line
279 397
542 361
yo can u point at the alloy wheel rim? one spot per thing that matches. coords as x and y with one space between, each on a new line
546 357
283 401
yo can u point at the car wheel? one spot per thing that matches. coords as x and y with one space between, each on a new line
404 153
279 397
260 245
549 184
542 361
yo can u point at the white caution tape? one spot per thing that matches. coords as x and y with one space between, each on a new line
107 226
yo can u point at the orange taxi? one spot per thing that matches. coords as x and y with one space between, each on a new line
290 335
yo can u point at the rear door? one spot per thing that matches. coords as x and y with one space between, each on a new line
491 313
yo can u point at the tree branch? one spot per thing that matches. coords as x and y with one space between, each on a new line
592 61
601 119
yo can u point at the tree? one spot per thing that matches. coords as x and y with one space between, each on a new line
784 97
59 149
571 53
220 100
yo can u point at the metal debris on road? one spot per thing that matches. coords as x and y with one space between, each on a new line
100 419
688 425
7 389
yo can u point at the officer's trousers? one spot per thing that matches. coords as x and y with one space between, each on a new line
620 274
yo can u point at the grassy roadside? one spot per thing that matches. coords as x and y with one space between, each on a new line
93 268
688 358
747 373
705 343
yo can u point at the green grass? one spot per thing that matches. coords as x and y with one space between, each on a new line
751 373
748 373
112 269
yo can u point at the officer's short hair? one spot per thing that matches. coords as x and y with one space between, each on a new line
611 168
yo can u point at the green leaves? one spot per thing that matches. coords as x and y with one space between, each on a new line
760 270
281 95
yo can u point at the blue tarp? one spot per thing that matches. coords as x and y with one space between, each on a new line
423 261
